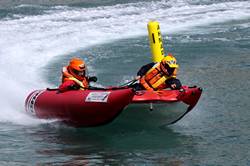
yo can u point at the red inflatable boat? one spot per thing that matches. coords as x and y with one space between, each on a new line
97 107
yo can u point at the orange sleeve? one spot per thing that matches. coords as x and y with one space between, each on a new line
145 84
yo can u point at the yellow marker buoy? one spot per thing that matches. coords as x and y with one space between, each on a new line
155 41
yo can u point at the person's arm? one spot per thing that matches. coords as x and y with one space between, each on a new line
143 70
68 85
173 83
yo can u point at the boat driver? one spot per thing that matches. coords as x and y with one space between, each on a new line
158 76
74 76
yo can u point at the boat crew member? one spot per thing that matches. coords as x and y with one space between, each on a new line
74 76
158 76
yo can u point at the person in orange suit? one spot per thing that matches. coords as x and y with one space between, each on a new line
74 76
158 76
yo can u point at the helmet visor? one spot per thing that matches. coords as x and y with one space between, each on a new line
172 63
169 69
82 67
79 73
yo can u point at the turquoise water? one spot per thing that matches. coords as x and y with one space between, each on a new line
211 40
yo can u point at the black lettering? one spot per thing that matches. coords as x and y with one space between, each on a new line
153 37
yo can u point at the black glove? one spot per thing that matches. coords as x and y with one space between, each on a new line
74 87
175 81
93 79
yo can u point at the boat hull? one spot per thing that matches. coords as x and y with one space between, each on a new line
159 108
79 108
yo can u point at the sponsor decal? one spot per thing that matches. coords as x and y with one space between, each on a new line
30 108
97 97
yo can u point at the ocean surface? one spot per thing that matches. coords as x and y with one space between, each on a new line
210 39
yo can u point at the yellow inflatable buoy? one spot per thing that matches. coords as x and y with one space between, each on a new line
155 41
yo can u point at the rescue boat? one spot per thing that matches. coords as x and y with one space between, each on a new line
85 108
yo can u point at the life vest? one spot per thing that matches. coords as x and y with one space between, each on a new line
66 76
155 78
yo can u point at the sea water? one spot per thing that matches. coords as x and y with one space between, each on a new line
210 39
